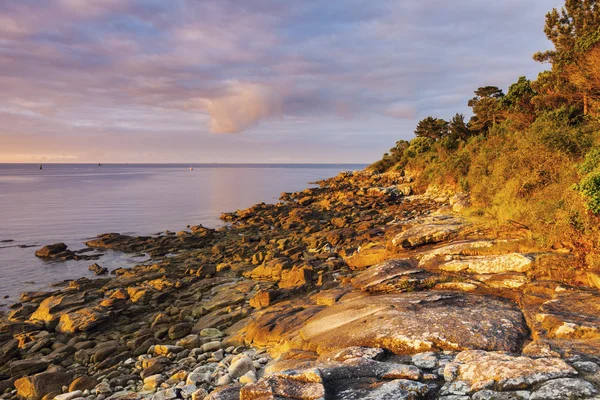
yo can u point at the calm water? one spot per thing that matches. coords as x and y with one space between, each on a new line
72 203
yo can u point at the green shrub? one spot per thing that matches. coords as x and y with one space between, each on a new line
589 187
591 162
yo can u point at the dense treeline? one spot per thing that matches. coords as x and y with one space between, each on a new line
531 154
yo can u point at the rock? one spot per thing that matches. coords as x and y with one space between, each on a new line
151 366
103 388
211 332
49 310
493 395
417 322
295 277
197 378
69 396
295 385
211 346
367 256
37 386
27 367
97 269
426 360
166 349
83 383
564 389
370 353
427 233
490 264
263 298
199 394
231 392
51 250
180 330
392 275
80 321
401 371
399 389
240 367
248 377
189 342
224 380
571 315
167 394
503 371
153 381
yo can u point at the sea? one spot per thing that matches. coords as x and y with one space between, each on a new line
72 203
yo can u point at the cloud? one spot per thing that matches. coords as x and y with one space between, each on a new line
309 70
243 108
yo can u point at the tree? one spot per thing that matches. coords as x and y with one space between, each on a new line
519 101
576 25
433 128
564 28
487 108
458 127
584 74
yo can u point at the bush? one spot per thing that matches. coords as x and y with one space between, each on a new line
419 145
589 187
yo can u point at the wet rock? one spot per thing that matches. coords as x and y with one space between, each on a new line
37 386
564 389
97 269
51 250
500 371
417 322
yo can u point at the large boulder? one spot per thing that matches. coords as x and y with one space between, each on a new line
500 371
417 322
306 385
51 308
37 386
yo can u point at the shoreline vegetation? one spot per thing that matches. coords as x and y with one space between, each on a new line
463 265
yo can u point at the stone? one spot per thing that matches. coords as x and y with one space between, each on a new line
69 396
49 310
371 353
295 385
224 380
409 323
197 378
564 389
230 392
240 367
401 371
211 332
295 277
51 250
366 257
98 270
505 372
37 386
27 367
497 264
80 321
103 388
167 394
493 395
199 394
153 381
248 377
426 360
189 342
180 330
211 346
83 383
165 349
399 389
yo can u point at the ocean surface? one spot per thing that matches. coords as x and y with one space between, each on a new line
73 203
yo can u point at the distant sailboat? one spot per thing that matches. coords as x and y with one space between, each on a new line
191 169
41 166
99 164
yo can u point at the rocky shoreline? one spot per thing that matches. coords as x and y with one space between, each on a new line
357 289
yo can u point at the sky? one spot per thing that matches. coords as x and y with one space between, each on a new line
263 81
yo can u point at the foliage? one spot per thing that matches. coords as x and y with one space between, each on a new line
487 108
433 128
